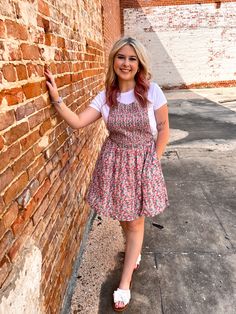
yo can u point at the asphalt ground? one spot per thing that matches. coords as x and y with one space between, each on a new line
189 254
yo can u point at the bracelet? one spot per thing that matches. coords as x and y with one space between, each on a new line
57 102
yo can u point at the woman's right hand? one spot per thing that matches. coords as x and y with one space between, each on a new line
51 85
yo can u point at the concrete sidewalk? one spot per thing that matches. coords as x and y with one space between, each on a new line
189 253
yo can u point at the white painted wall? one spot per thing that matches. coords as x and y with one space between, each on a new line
22 295
187 44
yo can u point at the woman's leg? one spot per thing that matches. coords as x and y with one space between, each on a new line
134 241
123 225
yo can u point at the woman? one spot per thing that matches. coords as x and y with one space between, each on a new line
127 183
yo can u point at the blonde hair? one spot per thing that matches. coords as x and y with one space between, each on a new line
142 77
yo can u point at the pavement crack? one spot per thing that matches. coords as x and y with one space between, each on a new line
218 218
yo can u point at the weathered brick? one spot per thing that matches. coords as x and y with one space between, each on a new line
40 210
29 140
10 215
23 218
16 187
42 191
32 90
6 267
6 119
25 110
16 132
36 119
2 206
8 155
46 125
9 72
43 8
5 243
30 52
18 244
2 29
1 142
21 72
12 96
15 53
23 162
35 167
5 178
16 30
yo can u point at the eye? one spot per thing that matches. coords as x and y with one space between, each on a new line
120 57
132 59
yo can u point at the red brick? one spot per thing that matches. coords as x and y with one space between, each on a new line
1 143
16 30
15 53
13 96
43 8
21 72
63 80
23 162
40 210
50 39
5 243
36 166
6 119
15 188
18 244
5 178
32 90
2 29
23 218
42 191
10 216
9 72
25 110
36 119
34 70
16 132
6 267
8 155
2 206
28 141
45 127
30 52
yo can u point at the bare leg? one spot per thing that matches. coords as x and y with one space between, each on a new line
123 225
134 241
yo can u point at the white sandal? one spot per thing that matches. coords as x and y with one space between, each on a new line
138 262
121 295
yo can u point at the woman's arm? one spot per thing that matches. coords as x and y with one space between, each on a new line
75 121
162 121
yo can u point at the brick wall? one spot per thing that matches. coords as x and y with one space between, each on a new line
45 167
190 43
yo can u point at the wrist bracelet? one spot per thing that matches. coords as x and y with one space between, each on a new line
57 102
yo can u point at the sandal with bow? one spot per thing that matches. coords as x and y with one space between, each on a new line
121 295
138 262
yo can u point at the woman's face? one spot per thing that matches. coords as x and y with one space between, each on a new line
126 63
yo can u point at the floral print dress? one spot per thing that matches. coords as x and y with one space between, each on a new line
127 180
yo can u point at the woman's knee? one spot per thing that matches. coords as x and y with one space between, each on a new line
135 225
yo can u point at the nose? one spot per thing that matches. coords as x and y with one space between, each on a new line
126 61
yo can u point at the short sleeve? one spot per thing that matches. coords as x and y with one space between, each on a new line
98 101
159 99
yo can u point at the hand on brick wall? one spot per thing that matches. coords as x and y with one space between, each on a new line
52 87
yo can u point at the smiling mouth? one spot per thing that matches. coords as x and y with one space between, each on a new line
125 70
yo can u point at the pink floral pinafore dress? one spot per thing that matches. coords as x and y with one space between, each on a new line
127 181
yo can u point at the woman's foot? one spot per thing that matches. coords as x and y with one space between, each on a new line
121 298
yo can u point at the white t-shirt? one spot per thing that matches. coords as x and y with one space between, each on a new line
155 96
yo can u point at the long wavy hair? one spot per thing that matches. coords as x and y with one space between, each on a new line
142 77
